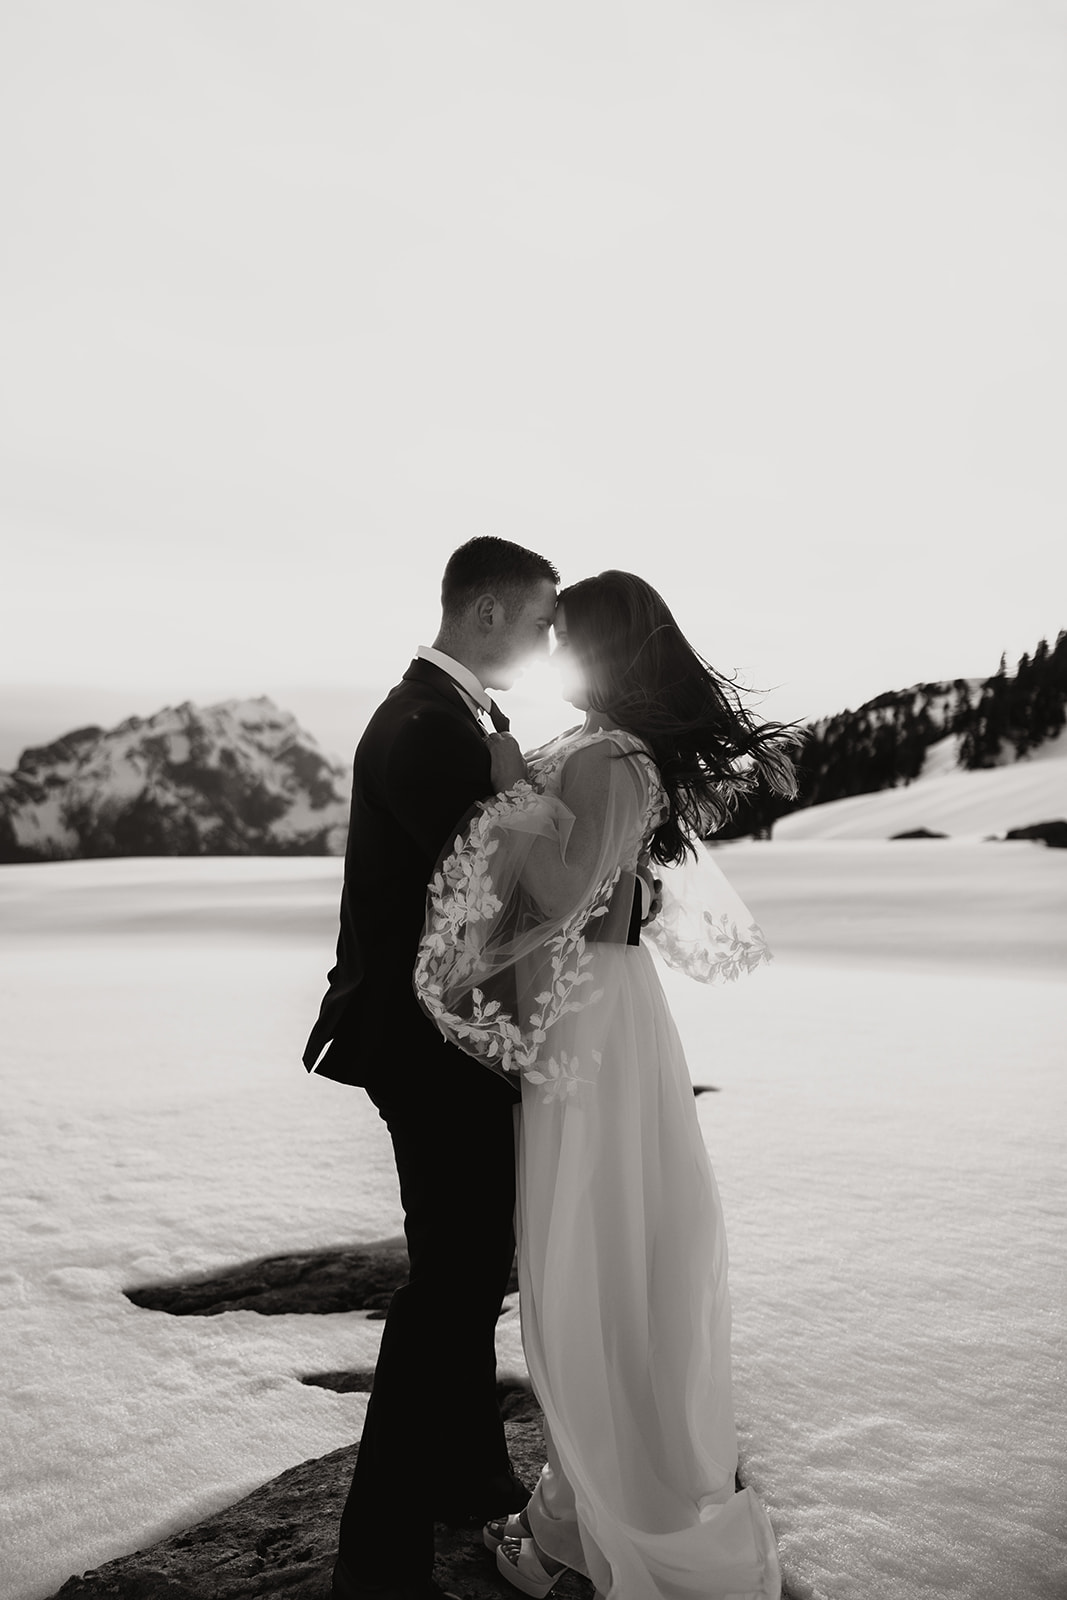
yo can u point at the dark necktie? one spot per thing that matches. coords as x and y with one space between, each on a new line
500 722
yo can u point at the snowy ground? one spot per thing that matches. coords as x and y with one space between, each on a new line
888 1138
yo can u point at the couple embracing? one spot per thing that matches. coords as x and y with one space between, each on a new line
493 996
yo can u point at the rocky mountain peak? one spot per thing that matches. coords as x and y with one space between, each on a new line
237 778
59 751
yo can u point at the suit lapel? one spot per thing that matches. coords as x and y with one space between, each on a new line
430 676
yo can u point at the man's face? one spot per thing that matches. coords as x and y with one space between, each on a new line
524 635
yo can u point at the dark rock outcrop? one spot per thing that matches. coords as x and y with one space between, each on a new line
353 1278
282 1538
1053 834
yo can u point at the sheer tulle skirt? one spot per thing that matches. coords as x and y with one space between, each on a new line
626 1315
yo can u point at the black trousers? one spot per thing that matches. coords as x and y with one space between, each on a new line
433 1441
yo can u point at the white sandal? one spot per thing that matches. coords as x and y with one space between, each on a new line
518 1562
500 1528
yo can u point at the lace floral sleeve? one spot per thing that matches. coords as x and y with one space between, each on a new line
495 971
704 928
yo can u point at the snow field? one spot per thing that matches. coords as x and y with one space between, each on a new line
910 905
888 1141
894 1187
164 1143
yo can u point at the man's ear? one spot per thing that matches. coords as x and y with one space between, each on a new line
487 611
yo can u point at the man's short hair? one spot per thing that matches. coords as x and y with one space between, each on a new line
492 566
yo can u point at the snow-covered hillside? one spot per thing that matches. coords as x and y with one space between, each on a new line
238 778
961 727
947 799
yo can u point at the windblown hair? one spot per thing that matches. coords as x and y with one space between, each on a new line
643 675
492 566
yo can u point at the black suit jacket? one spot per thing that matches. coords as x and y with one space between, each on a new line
420 767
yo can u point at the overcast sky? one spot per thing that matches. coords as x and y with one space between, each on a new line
763 299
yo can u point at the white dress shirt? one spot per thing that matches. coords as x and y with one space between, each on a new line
469 687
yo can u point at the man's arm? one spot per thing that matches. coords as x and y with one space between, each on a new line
434 773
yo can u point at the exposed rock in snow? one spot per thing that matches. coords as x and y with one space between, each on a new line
1053 834
282 1539
349 1278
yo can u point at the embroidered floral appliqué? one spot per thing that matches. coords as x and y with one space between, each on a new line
722 954
462 895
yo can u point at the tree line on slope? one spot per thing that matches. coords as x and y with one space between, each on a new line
1021 711
884 743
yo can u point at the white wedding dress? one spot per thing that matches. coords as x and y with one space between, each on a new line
622 1253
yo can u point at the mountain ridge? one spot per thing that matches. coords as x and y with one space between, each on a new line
967 725
240 777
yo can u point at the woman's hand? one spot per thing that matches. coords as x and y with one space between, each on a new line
653 886
508 766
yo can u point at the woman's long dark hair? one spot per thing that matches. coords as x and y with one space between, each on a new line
643 675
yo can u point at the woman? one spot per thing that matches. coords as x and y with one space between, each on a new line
529 962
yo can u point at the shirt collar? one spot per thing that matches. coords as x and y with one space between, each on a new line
461 676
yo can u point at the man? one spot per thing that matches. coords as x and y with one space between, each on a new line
433 1443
